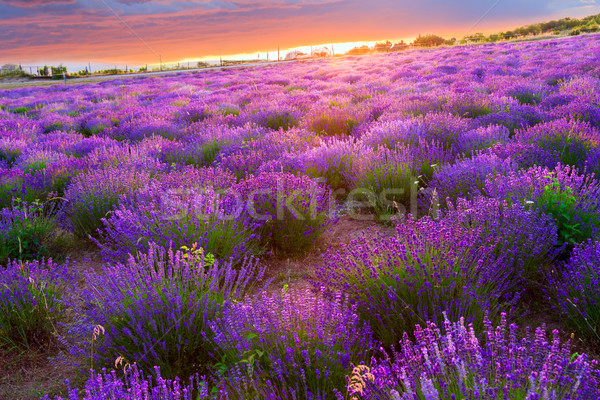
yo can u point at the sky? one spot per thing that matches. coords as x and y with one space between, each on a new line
138 32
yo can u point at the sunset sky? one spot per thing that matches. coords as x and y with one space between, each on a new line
136 31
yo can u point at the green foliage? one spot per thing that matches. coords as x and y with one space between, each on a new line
282 120
556 27
229 110
57 72
574 224
30 307
299 227
18 73
388 187
9 155
196 255
429 41
20 110
569 148
31 231
333 123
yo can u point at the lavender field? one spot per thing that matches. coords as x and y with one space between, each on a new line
435 203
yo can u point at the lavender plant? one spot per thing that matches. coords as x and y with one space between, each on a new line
571 198
453 362
16 184
465 264
157 308
32 302
178 217
27 231
333 121
465 178
92 195
294 210
388 183
134 385
298 343
574 289
561 141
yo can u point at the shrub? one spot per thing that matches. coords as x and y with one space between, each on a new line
192 177
198 154
156 309
470 105
137 129
295 210
298 343
94 194
514 116
456 265
571 143
481 138
15 184
575 289
336 161
333 122
453 363
518 235
10 150
572 199
574 224
193 113
179 217
33 161
26 231
465 178
32 302
243 163
277 119
443 129
390 133
389 183
89 144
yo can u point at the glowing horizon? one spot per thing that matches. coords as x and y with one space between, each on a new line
135 32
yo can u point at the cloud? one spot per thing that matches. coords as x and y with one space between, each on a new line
132 2
34 3
177 29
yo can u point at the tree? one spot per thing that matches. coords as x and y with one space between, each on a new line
429 41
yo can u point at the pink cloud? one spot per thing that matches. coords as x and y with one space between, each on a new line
34 3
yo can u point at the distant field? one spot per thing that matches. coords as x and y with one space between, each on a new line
10 84
367 227
15 83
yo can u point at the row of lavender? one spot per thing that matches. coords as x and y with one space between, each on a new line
183 181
